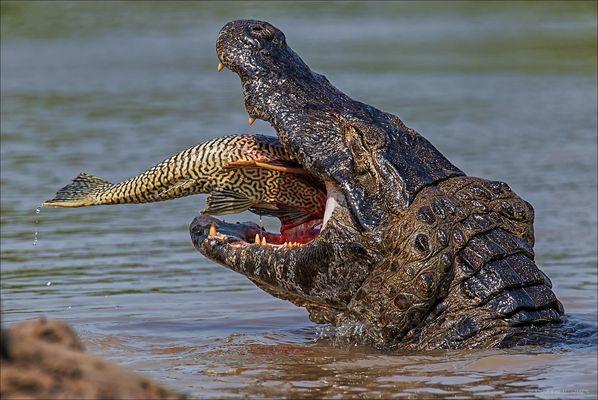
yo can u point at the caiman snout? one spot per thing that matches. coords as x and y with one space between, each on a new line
243 46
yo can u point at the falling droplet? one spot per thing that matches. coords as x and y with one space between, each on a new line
36 222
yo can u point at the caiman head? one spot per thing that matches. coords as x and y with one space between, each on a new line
389 262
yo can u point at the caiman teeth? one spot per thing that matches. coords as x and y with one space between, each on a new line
251 120
333 200
264 243
220 67
257 239
331 204
213 231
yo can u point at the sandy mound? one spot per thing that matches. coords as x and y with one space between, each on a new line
46 360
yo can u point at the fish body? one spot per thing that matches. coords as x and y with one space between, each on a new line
241 172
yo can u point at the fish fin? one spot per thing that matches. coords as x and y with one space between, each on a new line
282 163
275 165
286 215
81 192
226 202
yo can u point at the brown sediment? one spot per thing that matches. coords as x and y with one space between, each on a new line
46 360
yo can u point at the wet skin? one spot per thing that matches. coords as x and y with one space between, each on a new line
412 253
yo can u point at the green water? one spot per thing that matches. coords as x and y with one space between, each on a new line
506 90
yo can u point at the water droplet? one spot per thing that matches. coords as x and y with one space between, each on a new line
49 283
36 222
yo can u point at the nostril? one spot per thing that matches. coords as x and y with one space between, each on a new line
261 31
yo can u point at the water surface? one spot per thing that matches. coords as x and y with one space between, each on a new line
506 90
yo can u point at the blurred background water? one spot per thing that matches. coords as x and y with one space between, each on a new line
506 90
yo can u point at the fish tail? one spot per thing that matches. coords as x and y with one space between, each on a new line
83 191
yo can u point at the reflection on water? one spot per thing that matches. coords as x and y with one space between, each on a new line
507 91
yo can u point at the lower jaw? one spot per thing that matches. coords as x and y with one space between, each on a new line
251 234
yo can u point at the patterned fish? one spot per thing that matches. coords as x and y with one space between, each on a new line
242 172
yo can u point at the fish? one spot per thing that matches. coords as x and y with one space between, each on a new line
238 172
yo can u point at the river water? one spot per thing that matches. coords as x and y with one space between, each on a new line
506 90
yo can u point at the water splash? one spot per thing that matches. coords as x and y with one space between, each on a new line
36 222
348 333
326 331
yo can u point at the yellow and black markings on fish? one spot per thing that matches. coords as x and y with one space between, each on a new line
242 172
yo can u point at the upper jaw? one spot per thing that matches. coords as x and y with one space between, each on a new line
307 113
379 166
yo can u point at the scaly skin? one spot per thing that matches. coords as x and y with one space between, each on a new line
416 255
460 271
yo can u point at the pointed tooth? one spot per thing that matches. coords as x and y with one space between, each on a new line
213 230
251 120
220 67
331 204
257 239
264 241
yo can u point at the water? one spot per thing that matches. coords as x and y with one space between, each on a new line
507 91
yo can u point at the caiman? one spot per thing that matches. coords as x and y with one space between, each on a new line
412 253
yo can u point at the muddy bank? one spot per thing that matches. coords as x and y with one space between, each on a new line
45 359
